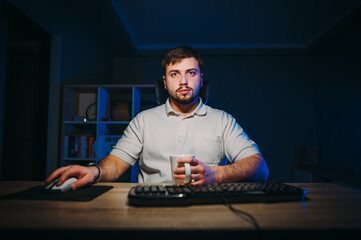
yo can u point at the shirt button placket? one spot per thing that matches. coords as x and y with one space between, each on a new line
182 129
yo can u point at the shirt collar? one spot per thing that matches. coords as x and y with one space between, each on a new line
201 109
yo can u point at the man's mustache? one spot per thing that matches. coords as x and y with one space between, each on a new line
184 88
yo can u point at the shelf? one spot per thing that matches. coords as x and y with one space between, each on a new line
96 122
118 103
80 122
114 122
81 159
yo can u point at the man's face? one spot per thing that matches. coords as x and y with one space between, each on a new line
183 81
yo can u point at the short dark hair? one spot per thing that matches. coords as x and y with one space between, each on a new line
178 54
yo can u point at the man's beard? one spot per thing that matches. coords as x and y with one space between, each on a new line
182 99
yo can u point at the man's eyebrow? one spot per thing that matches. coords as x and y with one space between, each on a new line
188 70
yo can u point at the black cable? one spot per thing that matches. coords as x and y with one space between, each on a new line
242 214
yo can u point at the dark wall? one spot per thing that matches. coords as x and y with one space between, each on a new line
337 78
77 55
26 98
272 99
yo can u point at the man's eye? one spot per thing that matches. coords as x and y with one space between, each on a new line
192 73
174 74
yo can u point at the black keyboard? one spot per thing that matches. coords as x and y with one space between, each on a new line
180 195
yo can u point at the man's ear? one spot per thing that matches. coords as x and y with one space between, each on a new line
165 83
202 80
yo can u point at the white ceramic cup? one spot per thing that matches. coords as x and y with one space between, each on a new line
174 165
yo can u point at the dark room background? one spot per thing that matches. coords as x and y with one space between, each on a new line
295 104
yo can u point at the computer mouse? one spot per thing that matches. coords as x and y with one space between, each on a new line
66 186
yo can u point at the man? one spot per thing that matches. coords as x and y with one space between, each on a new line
183 125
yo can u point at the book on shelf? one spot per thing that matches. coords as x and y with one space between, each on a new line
79 146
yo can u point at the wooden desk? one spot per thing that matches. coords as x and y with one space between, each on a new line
331 210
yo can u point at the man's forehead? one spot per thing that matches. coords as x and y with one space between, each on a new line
183 64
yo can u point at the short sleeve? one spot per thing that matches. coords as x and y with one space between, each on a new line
129 146
237 144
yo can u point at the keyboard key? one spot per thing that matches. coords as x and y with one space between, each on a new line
146 189
153 189
161 189
139 189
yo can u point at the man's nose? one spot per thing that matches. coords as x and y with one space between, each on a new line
183 80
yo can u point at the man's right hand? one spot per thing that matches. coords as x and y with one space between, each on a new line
85 175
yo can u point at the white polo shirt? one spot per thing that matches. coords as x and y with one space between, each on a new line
155 134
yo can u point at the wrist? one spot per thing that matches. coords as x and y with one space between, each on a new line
96 172
217 174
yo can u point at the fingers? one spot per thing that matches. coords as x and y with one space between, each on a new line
196 165
199 182
201 173
196 168
182 170
190 160
54 175
83 174
196 176
70 172
84 181
196 179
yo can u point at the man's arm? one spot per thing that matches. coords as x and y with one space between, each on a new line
253 168
111 168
